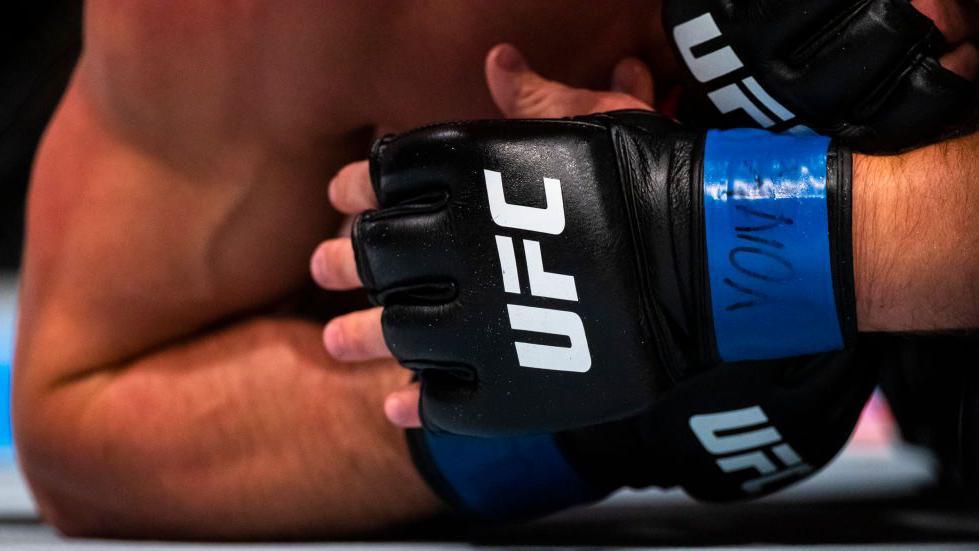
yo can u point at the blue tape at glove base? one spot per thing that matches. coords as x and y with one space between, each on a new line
507 478
767 238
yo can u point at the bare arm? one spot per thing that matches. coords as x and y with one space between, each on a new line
148 401
916 239
180 189
248 432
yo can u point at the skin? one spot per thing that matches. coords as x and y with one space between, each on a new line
912 274
958 20
166 383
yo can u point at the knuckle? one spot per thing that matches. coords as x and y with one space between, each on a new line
537 100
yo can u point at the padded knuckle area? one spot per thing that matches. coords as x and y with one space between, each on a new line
407 250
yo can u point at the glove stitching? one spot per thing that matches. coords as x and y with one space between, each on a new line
659 329
879 94
818 40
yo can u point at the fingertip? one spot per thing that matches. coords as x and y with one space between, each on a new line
333 265
401 408
507 58
333 192
392 410
335 189
502 71
516 89
333 339
632 77
316 265
350 191
963 61
956 20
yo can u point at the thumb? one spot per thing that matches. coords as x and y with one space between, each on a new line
519 92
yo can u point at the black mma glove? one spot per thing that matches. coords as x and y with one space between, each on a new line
550 274
863 71
741 431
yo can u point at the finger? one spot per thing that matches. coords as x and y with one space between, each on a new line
401 407
632 77
356 336
519 92
333 266
963 61
350 190
956 20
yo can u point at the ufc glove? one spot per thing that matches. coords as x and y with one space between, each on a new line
863 71
550 274
741 431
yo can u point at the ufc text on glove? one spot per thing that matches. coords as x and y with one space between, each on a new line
550 274
863 71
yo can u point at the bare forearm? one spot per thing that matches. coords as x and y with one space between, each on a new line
249 432
132 419
916 239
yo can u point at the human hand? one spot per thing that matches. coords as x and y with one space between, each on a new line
519 92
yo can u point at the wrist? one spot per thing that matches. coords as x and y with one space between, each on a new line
505 478
776 219
868 259
914 240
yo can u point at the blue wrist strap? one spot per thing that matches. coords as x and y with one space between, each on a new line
502 478
767 238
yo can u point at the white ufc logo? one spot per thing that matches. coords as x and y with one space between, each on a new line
744 439
548 220
747 94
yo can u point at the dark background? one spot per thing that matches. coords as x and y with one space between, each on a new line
39 44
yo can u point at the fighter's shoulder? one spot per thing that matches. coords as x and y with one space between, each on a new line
221 73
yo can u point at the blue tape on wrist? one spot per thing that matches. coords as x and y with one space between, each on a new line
500 478
767 237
